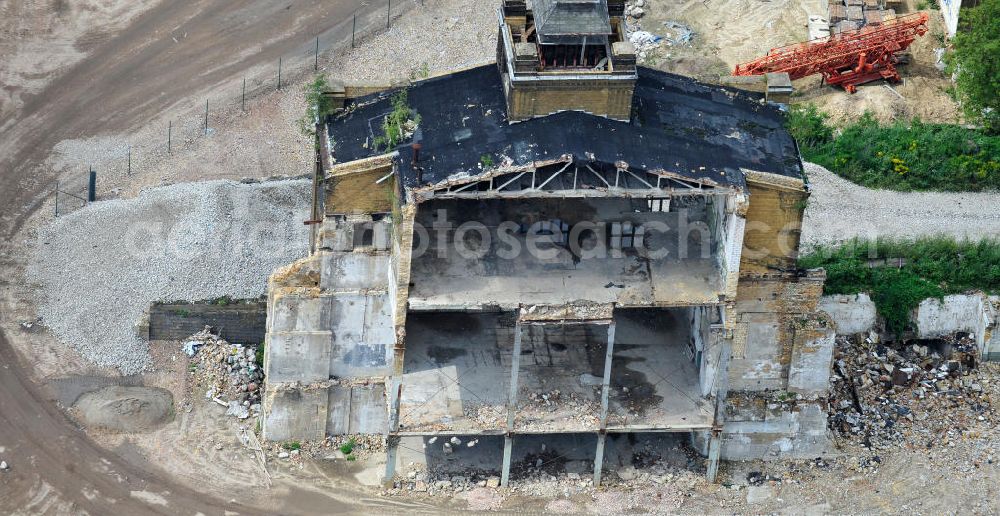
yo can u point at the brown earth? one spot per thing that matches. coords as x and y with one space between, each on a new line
153 58
111 82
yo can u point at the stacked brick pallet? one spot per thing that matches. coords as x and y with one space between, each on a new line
848 15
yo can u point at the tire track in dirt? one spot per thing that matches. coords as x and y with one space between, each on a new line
126 80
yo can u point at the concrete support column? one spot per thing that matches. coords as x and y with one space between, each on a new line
605 394
599 458
392 441
508 442
721 392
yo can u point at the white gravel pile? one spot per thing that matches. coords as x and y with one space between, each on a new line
839 210
99 268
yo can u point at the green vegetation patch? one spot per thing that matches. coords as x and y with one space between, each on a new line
399 124
900 156
930 267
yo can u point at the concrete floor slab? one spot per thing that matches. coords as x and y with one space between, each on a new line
457 375
505 268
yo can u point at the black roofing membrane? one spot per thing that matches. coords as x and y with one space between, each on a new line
696 130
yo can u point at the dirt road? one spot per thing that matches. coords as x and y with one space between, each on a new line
165 54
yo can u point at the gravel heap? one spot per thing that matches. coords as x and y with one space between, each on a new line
98 269
922 393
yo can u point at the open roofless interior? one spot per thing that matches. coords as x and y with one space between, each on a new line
475 254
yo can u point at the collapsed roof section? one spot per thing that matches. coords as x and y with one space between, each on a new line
680 129
559 20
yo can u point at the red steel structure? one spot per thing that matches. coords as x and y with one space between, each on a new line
846 59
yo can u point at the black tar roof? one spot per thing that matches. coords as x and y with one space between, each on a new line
695 130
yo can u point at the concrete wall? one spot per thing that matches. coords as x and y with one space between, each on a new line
851 314
759 428
812 358
973 313
357 409
295 412
241 322
773 313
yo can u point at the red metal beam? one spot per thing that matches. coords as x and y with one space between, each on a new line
846 59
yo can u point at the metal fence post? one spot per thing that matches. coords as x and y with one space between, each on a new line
279 74
206 117
92 186
129 170
388 15
316 63
243 102
57 197
354 29
170 130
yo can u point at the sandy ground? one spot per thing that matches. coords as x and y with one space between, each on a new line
729 32
120 72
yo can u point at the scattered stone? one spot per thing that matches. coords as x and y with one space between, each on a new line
3 465
283 455
493 482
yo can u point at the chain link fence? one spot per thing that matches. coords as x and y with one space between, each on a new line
121 159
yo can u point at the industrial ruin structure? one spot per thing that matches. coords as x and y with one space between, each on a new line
563 242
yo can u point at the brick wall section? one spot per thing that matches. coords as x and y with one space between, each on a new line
242 323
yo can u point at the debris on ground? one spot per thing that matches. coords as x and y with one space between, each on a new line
3 465
677 33
229 373
918 393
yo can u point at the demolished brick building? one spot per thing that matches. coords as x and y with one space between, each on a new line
562 242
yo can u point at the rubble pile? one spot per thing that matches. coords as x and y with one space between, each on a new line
228 373
486 415
921 393
536 412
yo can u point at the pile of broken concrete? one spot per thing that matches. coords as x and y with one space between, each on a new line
920 393
228 373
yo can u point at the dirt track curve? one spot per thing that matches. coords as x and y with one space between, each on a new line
123 82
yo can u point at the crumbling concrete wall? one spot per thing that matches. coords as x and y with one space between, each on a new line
761 427
774 313
773 223
812 356
850 313
328 328
976 314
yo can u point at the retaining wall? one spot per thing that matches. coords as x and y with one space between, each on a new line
238 322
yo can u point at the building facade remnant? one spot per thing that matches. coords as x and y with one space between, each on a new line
564 242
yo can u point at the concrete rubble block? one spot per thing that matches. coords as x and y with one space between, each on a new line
358 409
295 412
852 314
299 313
298 357
355 271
